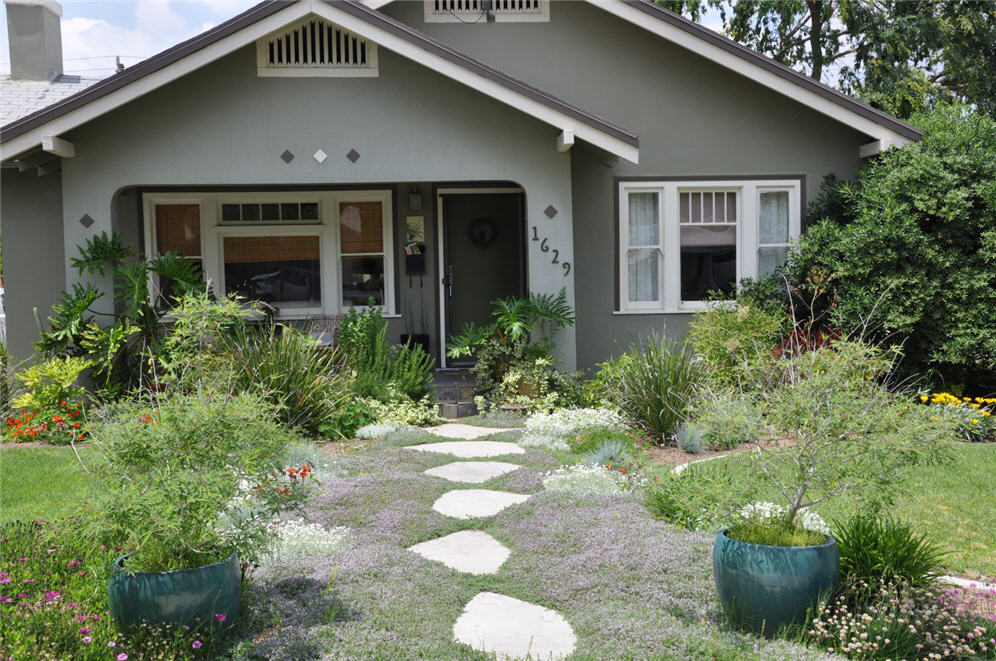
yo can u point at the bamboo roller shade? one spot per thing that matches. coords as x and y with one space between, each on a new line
361 227
241 249
178 228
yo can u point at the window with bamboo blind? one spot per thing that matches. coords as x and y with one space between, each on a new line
178 229
361 244
282 270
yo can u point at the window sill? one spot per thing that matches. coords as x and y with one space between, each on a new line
625 313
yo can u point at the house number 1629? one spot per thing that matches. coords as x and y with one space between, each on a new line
544 247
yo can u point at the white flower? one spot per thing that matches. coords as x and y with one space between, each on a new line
761 512
571 422
297 539
375 431
584 479
544 441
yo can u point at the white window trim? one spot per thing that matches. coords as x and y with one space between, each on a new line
213 231
748 235
541 16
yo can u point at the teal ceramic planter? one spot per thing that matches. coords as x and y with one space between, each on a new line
765 587
183 597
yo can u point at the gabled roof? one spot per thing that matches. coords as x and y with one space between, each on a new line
26 133
756 66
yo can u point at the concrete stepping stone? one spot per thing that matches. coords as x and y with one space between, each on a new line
473 472
474 503
469 551
470 449
460 430
514 629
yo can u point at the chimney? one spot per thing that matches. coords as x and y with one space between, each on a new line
35 37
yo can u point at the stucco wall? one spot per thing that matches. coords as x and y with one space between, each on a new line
223 125
33 258
693 118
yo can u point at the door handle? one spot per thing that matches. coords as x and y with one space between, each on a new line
448 282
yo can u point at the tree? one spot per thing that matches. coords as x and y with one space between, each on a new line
913 253
899 55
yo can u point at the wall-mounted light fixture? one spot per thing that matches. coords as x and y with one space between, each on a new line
415 199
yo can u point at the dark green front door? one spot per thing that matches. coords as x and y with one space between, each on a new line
483 255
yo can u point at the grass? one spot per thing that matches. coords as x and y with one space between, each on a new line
39 483
952 503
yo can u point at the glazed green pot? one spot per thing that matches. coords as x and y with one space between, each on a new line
763 588
183 596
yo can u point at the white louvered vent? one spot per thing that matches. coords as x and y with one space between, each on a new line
474 11
315 47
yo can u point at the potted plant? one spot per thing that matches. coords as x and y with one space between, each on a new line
186 484
833 426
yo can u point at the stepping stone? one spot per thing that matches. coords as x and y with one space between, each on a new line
469 551
473 472
474 503
470 449
459 430
514 629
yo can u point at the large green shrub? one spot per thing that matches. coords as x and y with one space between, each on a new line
735 342
303 381
911 251
654 384
184 480
377 365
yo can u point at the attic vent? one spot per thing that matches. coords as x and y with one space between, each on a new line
316 47
473 11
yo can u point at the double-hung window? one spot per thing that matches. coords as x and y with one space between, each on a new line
682 243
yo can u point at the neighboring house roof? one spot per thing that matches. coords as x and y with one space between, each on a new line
19 98
748 62
26 133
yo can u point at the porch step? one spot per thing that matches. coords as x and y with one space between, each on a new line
454 410
455 392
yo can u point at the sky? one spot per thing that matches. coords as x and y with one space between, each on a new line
94 33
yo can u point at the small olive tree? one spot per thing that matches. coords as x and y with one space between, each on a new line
838 425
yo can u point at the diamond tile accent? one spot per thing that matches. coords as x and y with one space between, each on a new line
550 212
287 156
320 156
353 155
86 221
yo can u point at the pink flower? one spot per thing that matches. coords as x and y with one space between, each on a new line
82 574
86 639
220 617
51 550
971 635
5 580
122 656
22 559
73 563
81 618
84 631
73 604
919 646
196 644
111 644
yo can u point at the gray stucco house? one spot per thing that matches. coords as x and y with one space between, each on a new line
432 154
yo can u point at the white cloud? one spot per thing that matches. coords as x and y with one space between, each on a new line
91 42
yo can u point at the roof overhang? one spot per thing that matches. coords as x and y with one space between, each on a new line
724 51
28 132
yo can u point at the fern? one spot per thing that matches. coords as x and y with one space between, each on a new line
99 252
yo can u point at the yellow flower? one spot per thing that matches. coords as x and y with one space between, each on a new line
974 421
933 417
923 398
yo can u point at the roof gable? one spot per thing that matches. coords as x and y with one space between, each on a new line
267 17
721 50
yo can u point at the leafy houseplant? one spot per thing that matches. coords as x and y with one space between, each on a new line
513 353
186 482
114 349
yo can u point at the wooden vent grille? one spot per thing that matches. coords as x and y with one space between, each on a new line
319 48
501 10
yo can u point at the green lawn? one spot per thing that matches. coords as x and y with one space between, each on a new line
39 483
953 503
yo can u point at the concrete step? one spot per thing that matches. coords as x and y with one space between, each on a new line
454 377
454 410
454 393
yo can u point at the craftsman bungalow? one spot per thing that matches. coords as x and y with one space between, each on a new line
433 155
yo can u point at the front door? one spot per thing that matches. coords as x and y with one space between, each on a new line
483 255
